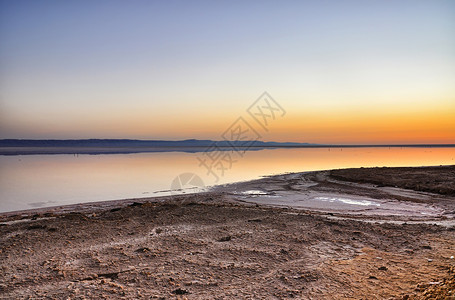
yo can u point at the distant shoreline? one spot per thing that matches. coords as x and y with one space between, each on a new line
44 150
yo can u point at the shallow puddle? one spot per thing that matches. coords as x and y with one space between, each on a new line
254 192
349 204
348 201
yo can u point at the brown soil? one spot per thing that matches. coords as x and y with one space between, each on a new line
209 246
439 180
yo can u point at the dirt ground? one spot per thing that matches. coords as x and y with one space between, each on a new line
440 180
212 246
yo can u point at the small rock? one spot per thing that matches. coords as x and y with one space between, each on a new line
142 250
225 239
373 277
283 251
255 220
180 291
382 268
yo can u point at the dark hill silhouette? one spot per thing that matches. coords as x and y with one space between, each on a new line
138 143
118 146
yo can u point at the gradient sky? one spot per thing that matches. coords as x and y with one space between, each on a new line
344 71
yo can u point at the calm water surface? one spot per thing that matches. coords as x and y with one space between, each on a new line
33 181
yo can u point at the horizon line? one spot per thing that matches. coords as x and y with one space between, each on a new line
295 144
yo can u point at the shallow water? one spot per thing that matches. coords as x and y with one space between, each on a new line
348 201
33 181
347 205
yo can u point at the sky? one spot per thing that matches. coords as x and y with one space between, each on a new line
345 72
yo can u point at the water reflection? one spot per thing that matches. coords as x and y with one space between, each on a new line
47 180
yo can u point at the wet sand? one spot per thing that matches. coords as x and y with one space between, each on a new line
373 233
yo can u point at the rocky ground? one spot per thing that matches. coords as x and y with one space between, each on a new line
215 246
439 180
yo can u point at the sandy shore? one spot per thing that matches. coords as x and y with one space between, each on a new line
373 233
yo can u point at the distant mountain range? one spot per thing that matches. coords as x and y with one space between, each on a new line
140 143
118 146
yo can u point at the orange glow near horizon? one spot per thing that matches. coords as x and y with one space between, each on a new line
416 125
375 127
